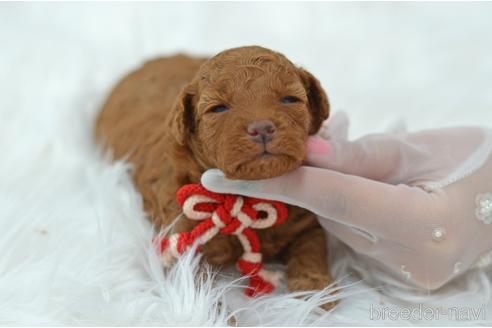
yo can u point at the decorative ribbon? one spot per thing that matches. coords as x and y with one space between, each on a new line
230 215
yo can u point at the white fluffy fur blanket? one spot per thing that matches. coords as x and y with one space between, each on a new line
74 245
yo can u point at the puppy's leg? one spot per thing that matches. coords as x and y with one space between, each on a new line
307 263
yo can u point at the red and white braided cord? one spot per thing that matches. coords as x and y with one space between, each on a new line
227 214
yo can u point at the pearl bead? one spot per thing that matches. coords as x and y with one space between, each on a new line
457 268
438 234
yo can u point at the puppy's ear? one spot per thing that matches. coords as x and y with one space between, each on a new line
183 121
318 101
182 127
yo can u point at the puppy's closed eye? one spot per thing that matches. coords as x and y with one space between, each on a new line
290 100
219 108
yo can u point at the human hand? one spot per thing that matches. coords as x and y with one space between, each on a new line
409 201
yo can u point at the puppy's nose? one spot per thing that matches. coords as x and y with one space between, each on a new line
261 131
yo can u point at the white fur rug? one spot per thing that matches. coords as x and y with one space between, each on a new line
75 245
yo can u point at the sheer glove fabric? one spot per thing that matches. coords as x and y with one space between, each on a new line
419 204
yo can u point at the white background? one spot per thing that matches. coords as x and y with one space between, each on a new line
427 63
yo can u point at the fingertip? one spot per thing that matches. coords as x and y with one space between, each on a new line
319 151
212 179
215 180
318 145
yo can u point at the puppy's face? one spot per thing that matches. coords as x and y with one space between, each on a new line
249 112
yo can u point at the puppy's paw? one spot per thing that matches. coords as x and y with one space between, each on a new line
328 306
218 257
220 251
311 282
308 281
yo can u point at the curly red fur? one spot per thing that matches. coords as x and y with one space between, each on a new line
160 117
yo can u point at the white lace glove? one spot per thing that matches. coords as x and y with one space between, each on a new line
419 204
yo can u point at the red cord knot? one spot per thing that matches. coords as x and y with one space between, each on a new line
230 215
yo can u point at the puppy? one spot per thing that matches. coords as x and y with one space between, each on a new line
247 111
